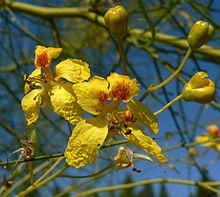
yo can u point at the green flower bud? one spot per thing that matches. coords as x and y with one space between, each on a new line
201 32
199 89
116 19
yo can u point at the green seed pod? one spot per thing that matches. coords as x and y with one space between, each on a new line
199 89
200 33
116 19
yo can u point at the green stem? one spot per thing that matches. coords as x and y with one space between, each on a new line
25 178
204 185
32 159
30 167
122 55
133 35
42 157
45 181
168 104
94 175
167 80
49 170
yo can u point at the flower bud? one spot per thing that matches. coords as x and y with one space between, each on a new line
200 33
116 19
192 152
199 89
213 130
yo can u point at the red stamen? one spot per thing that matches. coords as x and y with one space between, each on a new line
103 96
42 60
121 90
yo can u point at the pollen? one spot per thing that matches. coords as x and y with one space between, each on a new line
42 60
121 90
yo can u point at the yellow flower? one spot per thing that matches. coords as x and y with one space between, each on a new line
43 88
102 98
199 89
124 159
122 87
44 56
213 132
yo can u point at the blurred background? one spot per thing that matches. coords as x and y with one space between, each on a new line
151 56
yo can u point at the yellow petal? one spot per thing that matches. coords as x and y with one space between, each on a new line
144 115
63 101
218 147
92 95
204 140
73 70
44 55
122 87
28 81
31 105
142 141
84 143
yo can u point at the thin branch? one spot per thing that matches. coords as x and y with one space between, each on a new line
204 185
133 35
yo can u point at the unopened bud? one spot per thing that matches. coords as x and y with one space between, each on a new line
213 130
192 152
116 19
199 89
200 33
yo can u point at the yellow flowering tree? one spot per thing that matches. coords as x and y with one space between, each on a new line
141 103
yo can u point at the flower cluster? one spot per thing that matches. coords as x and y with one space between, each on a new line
43 87
102 98
69 91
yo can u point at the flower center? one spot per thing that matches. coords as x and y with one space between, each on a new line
37 81
120 121
121 90
42 60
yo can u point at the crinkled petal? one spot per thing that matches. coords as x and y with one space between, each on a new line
63 101
144 115
92 95
122 87
44 55
84 143
73 70
31 105
142 141
35 74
